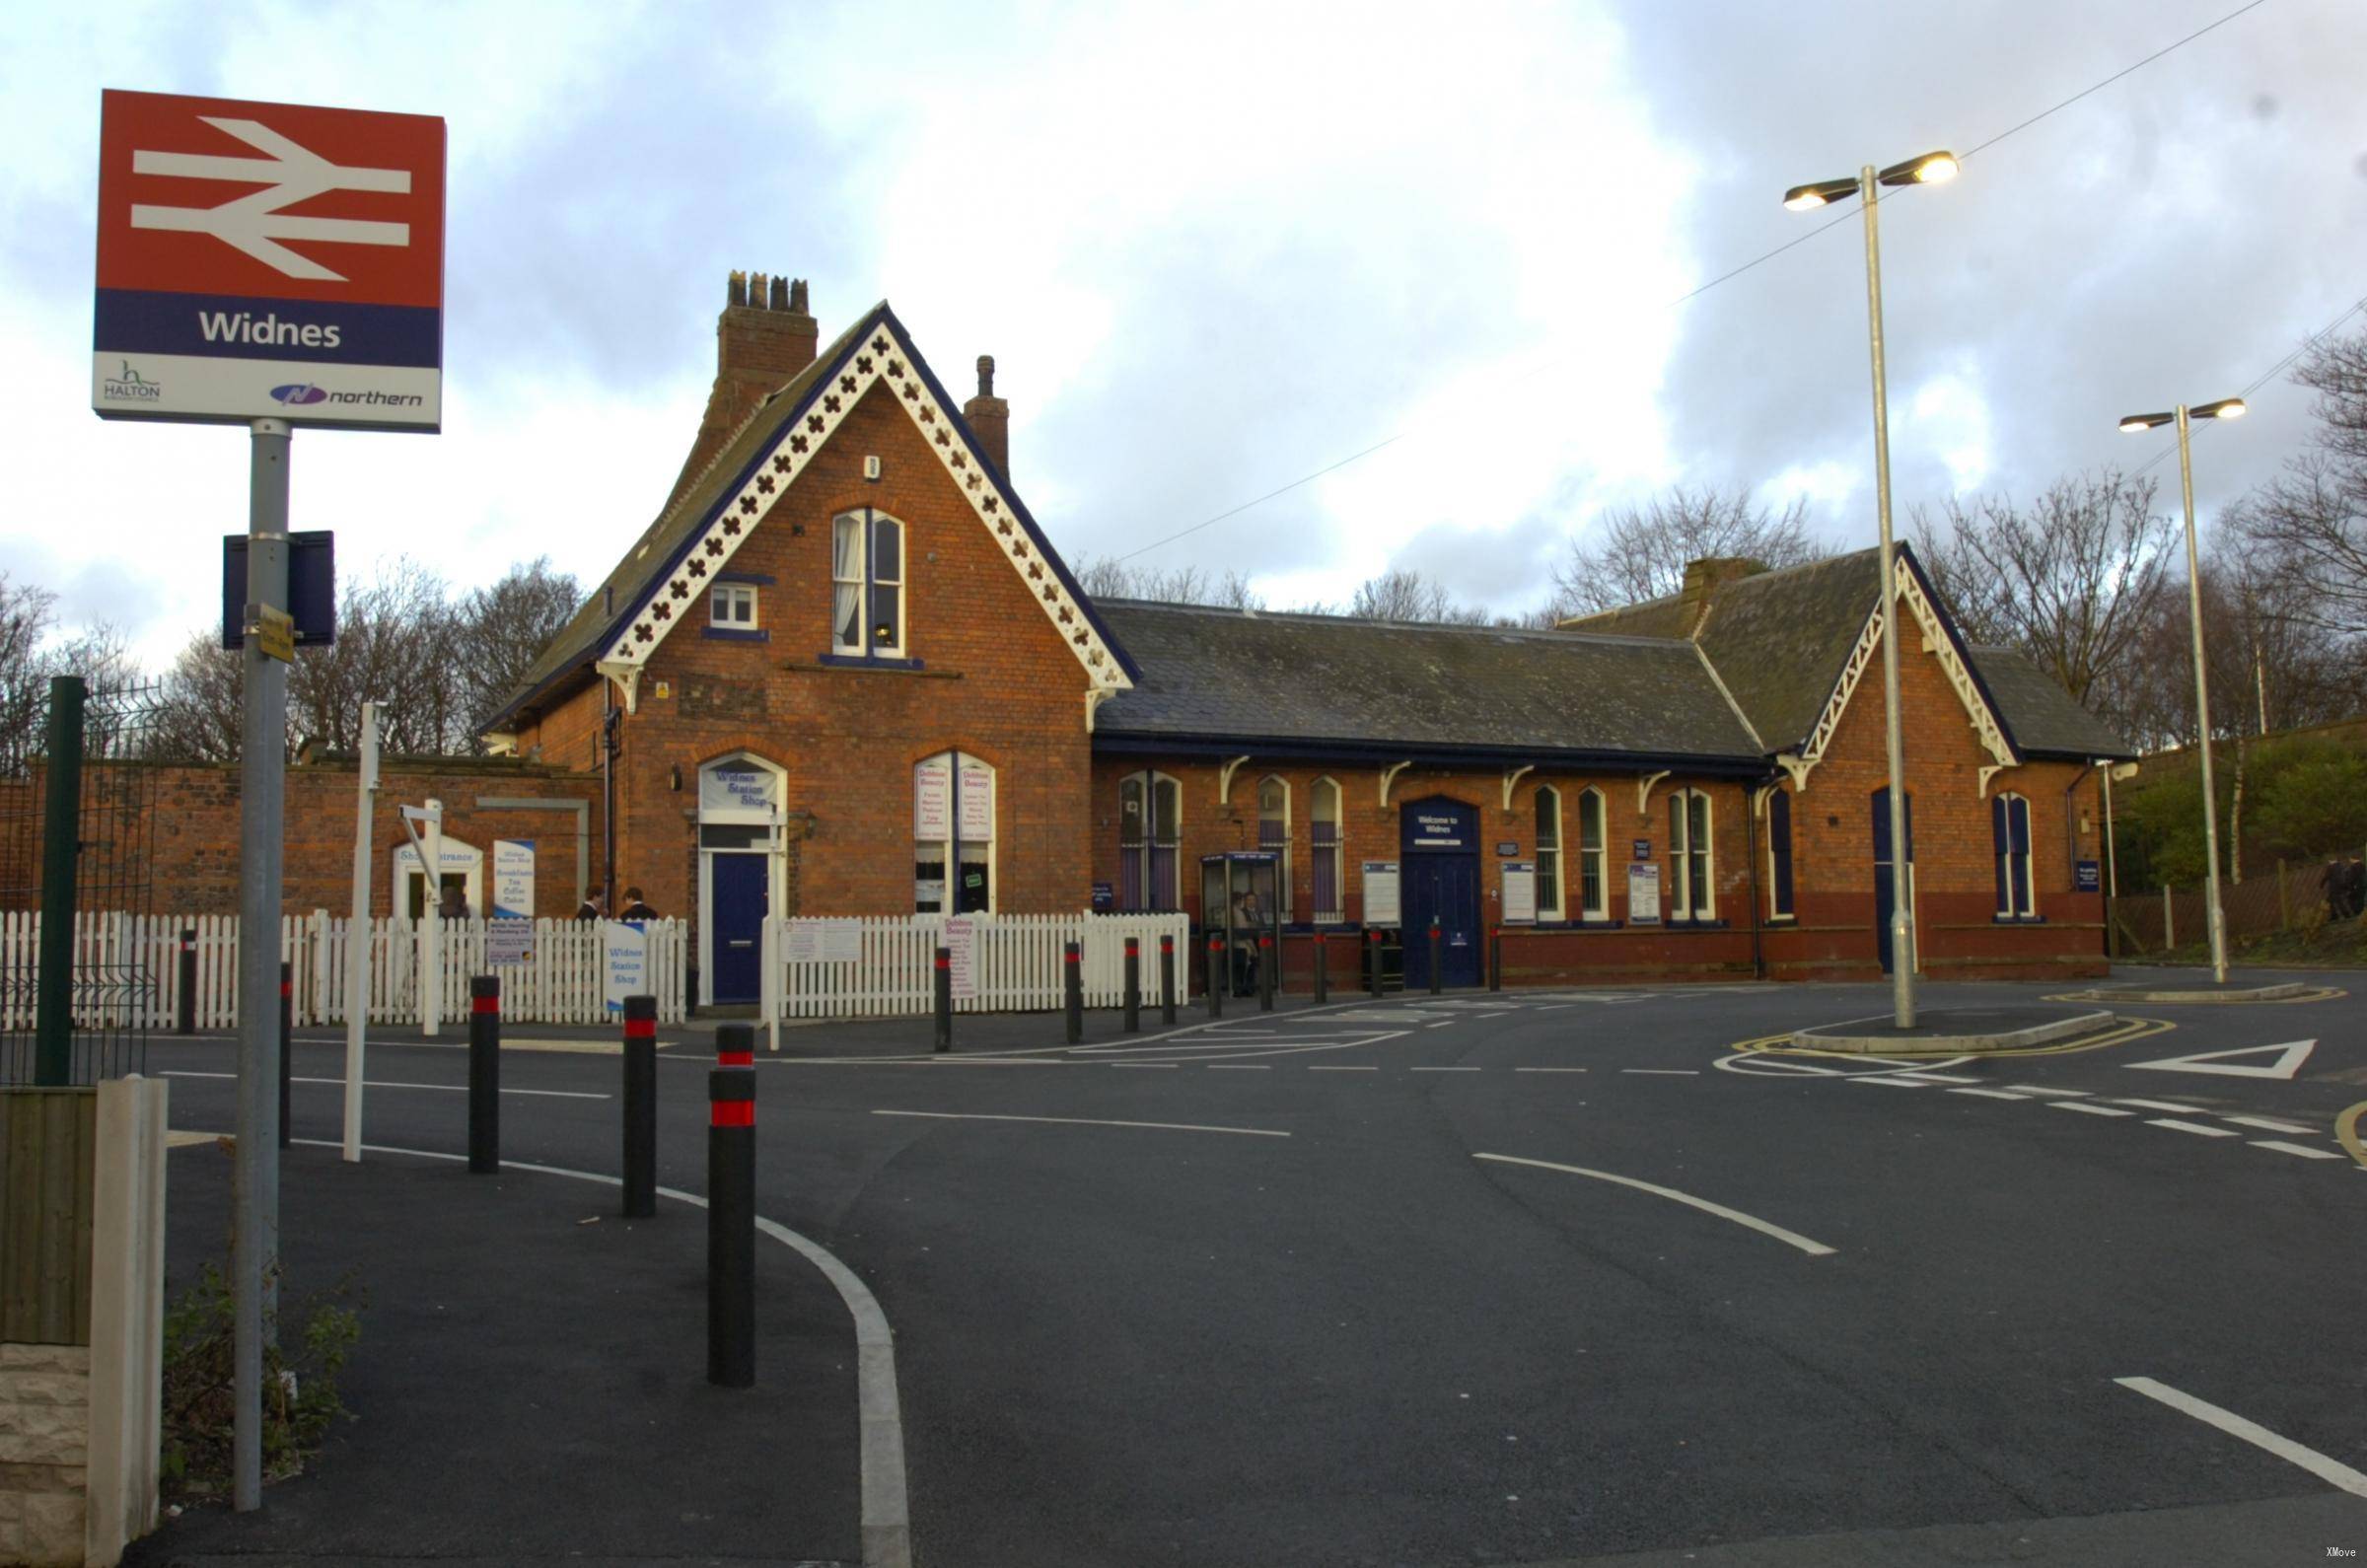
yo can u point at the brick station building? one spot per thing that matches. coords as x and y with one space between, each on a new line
844 672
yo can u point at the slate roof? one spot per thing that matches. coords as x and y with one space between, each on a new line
1779 639
1210 673
2039 714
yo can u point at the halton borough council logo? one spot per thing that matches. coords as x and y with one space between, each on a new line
130 387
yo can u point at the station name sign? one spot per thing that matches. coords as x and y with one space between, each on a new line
268 260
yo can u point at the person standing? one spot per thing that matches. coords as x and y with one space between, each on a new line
634 906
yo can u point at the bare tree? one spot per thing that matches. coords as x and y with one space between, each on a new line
1637 553
503 628
32 650
2316 516
2068 580
1408 594
197 720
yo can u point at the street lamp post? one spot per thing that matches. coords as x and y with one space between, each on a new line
1929 169
2184 417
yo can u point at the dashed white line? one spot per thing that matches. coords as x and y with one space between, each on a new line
1990 1094
1442 1069
1548 1069
1663 1072
1082 1121
1788 1238
1935 1078
2270 1124
2042 1088
2081 1105
2303 1150
1241 1067
1330 1068
2332 1471
2163 1105
2195 1128
1881 1078
1146 1066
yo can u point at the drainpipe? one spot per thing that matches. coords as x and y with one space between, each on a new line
1758 956
608 788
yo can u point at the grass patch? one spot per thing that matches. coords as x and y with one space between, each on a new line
300 1382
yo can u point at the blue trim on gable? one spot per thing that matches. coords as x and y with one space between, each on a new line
1002 485
760 579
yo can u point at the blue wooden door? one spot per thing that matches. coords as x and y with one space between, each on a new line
1439 876
1886 896
736 903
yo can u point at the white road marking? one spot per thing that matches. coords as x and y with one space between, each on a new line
1147 1066
1936 1078
2270 1124
1239 1067
2162 1104
381 1083
1548 1069
2083 1105
2195 1128
1990 1094
2042 1088
1442 1069
887 1509
2332 1471
1082 1121
1883 1079
2289 1057
1788 1238
2303 1150
1663 1072
1333 1067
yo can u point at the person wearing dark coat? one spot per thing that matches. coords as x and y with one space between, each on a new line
635 908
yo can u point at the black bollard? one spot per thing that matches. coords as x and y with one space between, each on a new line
732 1227
1266 957
186 1015
640 1107
484 1073
1166 979
1434 976
1072 990
735 1045
1133 986
945 1001
1496 959
1372 963
1217 979
287 1056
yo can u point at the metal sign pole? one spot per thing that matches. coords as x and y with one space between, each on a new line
263 760
357 936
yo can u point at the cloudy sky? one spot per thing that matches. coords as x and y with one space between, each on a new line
1215 250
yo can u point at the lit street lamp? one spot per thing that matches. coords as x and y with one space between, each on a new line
1931 169
2137 424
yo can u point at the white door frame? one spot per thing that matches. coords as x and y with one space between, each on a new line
406 866
775 889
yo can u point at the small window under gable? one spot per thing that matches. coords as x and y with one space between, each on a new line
732 607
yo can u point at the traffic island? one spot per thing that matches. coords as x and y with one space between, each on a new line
1958 1031
2283 991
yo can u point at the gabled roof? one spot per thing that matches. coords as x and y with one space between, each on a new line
1223 675
2043 719
1781 638
629 616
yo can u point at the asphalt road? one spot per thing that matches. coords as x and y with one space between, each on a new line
1419 1283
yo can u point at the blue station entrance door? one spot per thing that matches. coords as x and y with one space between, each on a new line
1439 856
739 909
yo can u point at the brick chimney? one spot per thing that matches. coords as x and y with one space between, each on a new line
989 417
1702 580
763 339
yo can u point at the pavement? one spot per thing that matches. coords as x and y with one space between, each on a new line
530 1381
1538 1278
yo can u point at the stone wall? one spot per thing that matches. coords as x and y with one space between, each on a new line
45 1424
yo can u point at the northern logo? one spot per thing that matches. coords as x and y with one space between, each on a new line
300 394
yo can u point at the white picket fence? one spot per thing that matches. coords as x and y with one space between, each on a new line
127 970
1018 963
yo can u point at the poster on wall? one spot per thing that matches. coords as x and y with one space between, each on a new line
724 792
1643 894
624 962
977 805
1380 892
962 957
513 879
2087 877
1520 893
933 800
509 944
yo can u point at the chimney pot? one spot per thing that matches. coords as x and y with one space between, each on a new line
797 295
737 291
780 294
763 339
989 418
985 375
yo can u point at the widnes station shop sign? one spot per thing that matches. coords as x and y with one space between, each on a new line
268 260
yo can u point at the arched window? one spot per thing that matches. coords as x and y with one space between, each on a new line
2009 831
1548 852
1324 849
1691 873
953 835
1150 813
1593 878
1273 835
1779 855
867 585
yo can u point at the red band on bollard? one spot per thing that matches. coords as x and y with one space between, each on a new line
485 1004
1264 941
287 988
730 1113
1069 958
945 961
735 1058
640 1028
